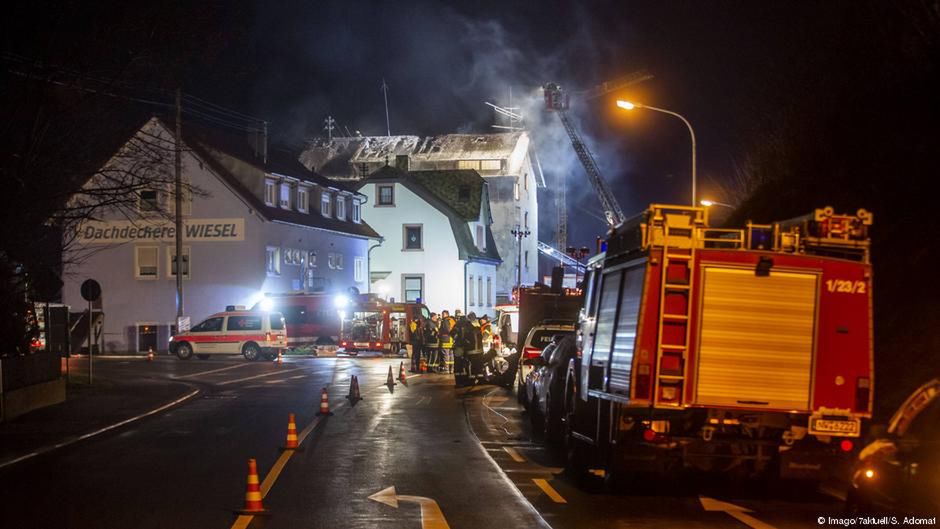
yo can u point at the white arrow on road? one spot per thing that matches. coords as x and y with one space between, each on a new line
735 511
431 515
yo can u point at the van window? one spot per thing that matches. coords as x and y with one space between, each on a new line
604 334
210 325
244 323
590 300
277 321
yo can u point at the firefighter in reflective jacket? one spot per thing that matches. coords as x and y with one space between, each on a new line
486 332
447 341
416 332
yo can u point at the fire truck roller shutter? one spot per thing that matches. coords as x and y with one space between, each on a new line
621 358
757 338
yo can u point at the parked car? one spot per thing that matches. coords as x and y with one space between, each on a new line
250 333
539 336
545 386
899 472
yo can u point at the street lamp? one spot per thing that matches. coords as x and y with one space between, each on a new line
520 234
710 203
627 105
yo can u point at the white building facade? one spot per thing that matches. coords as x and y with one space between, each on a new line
251 227
504 160
437 244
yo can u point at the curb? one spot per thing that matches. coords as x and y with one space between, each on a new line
73 440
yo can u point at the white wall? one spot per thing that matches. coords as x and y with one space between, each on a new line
439 262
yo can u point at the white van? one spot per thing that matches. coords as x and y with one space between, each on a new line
252 334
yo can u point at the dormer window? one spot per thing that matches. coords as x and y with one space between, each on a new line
285 195
341 207
356 211
325 203
148 201
270 192
303 198
481 237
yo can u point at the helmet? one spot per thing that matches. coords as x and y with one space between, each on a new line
472 315
458 313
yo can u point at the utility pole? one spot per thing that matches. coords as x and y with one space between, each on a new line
388 128
519 234
328 127
179 209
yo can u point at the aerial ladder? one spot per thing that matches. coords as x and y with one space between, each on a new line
557 101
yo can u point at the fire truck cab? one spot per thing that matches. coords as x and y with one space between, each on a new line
723 349
370 323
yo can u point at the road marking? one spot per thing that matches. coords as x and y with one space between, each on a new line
271 374
236 366
101 431
423 400
296 377
431 515
549 490
735 511
514 454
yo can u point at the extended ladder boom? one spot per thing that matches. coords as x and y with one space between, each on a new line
611 207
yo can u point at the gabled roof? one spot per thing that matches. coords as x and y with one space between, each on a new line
461 195
212 147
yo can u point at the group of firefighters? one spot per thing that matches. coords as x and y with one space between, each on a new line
448 343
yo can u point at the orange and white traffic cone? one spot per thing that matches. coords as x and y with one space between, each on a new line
402 377
150 354
253 503
354 395
390 381
324 403
279 356
291 443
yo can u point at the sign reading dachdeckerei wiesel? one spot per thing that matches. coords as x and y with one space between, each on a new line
194 230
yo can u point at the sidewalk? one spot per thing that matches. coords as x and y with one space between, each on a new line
87 411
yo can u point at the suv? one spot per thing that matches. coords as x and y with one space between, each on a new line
250 333
539 336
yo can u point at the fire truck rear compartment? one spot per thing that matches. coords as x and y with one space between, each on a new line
757 339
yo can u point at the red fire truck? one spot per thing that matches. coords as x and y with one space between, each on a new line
312 319
372 324
738 350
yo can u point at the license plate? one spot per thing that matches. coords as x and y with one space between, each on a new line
844 427
360 344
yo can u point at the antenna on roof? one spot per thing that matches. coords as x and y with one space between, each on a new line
265 146
388 128
328 127
514 114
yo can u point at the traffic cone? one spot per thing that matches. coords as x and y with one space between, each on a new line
402 377
279 356
253 491
324 403
423 366
354 396
150 355
292 443
390 381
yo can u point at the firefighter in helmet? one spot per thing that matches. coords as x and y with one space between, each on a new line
447 341
416 332
432 342
486 332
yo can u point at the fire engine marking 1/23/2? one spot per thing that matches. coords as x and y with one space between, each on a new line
845 286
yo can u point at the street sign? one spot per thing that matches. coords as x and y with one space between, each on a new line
91 290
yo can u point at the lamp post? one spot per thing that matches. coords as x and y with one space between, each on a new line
519 234
710 203
627 105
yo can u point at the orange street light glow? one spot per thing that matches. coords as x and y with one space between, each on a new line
625 104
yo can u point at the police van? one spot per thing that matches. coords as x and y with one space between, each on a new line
250 333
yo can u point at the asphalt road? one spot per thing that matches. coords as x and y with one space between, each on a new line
456 458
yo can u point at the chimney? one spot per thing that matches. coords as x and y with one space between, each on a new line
402 162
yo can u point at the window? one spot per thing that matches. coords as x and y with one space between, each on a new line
468 164
311 259
302 199
385 194
603 335
285 195
470 299
526 221
277 322
243 323
335 261
359 269
525 181
341 208
480 290
491 165
273 260
171 261
356 211
148 201
481 238
516 194
145 262
412 237
325 201
489 291
146 337
269 192
210 325
527 259
412 287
